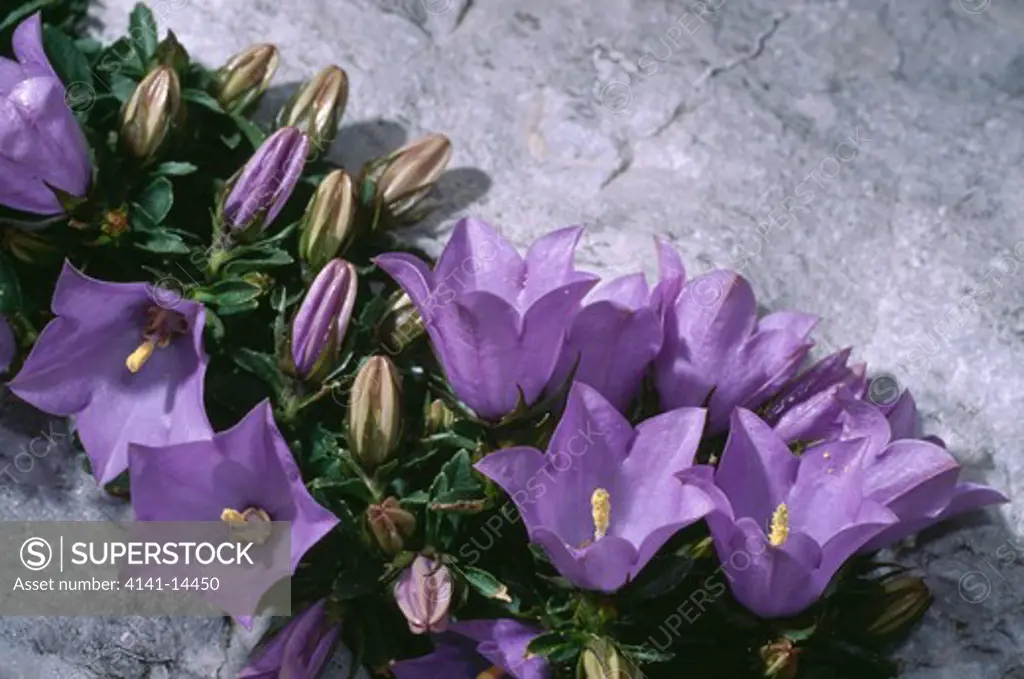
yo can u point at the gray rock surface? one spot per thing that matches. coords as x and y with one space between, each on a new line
858 159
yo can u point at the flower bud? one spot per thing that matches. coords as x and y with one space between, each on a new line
151 111
781 659
424 594
257 193
901 602
245 76
391 525
320 324
601 660
408 175
439 417
374 412
327 224
317 107
401 323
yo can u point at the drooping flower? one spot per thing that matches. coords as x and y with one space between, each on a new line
8 345
613 339
783 524
918 480
323 317
43 145
497 321
299 651
716 352
603 500
479 648
808 406
260 189
424 593
243 474
126 360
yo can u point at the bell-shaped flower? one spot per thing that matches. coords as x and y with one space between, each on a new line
784 524
299 651
476 649
43 146
716 352
602 500
808 406
126 360
424 594
497 320
915 478
613 339
243 474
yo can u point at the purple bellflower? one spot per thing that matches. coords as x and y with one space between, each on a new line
497 320
246 473
717 354
614 338
477 649
918 480
603 500
299 651
808 406
783 524
320 324
126 360
43 146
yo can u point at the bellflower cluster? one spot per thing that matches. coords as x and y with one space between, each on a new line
636 433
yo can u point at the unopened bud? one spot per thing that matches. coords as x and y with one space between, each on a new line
780 659
602 660
401 323
329 220
258 192
901 603
439 417
375 412
151 112
29 247
424 593
322 320
391 525
245 76
317 107
405 178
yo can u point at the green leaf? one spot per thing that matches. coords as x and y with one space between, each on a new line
142 31
122 87
157 199
273 258
10 287
24 11
251 130
558 646
232 292
162 241
455 481
70 64
263 366
203 99
174 169
486 584
241 308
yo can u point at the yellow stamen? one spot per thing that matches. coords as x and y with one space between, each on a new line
601 510
780 525
243 529
492 673
138 358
